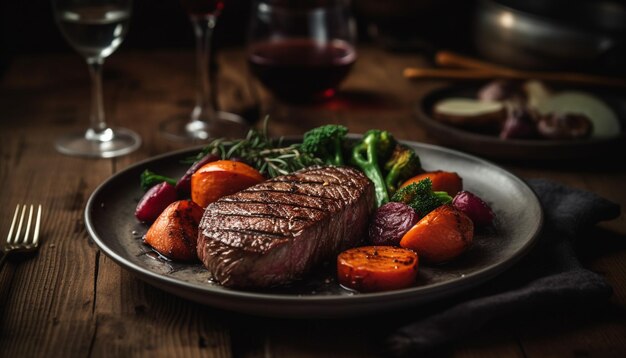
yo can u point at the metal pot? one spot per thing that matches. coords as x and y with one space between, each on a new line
552 34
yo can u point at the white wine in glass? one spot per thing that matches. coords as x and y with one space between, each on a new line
205 121
95 29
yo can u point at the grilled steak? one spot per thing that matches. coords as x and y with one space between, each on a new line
276 231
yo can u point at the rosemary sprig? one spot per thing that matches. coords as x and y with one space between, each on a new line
270 157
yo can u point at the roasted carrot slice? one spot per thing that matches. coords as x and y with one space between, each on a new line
450 182
377 268
440 236
174 234
220 178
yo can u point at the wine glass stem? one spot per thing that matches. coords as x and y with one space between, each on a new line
203 29
98 129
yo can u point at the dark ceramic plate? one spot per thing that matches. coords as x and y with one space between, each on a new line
111 224
519 149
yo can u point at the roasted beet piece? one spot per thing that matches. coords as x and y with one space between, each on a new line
390 222
474 207
154 201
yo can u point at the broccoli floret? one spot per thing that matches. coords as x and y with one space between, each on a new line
369 154
403 164
326 143
150 179
421 197
385 145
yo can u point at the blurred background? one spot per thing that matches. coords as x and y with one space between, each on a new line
29 26
585 35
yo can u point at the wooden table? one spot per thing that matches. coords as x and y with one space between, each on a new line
71 300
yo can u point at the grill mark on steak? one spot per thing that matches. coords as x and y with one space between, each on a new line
303 200
291 190
277 225
322 191
277 210
246 231
339 176
264 216
259 202
324 177
246 240
321 182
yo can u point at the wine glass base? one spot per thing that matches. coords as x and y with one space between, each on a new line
122 141
225 125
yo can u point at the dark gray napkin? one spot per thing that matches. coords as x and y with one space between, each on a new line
550 277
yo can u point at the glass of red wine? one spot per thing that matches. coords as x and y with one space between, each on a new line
205 121
301 51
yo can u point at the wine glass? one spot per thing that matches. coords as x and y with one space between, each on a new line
301 50
95 28
205 120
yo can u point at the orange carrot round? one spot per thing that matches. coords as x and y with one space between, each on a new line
440 236
174 234
377 268
450 182
220 178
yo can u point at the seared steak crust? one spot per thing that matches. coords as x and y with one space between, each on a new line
276 231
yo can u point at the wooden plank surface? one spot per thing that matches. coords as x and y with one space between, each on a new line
72 300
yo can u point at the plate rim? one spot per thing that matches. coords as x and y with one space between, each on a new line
432 291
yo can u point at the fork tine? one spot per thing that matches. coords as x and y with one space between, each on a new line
37 222
30 220
19 225
17 210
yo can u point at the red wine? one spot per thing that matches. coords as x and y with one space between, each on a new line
202 7
301 69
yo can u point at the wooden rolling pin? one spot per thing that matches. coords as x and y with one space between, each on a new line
473 69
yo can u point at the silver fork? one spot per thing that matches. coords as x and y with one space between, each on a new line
18 241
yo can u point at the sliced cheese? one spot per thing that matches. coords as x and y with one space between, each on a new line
467 107
470 113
